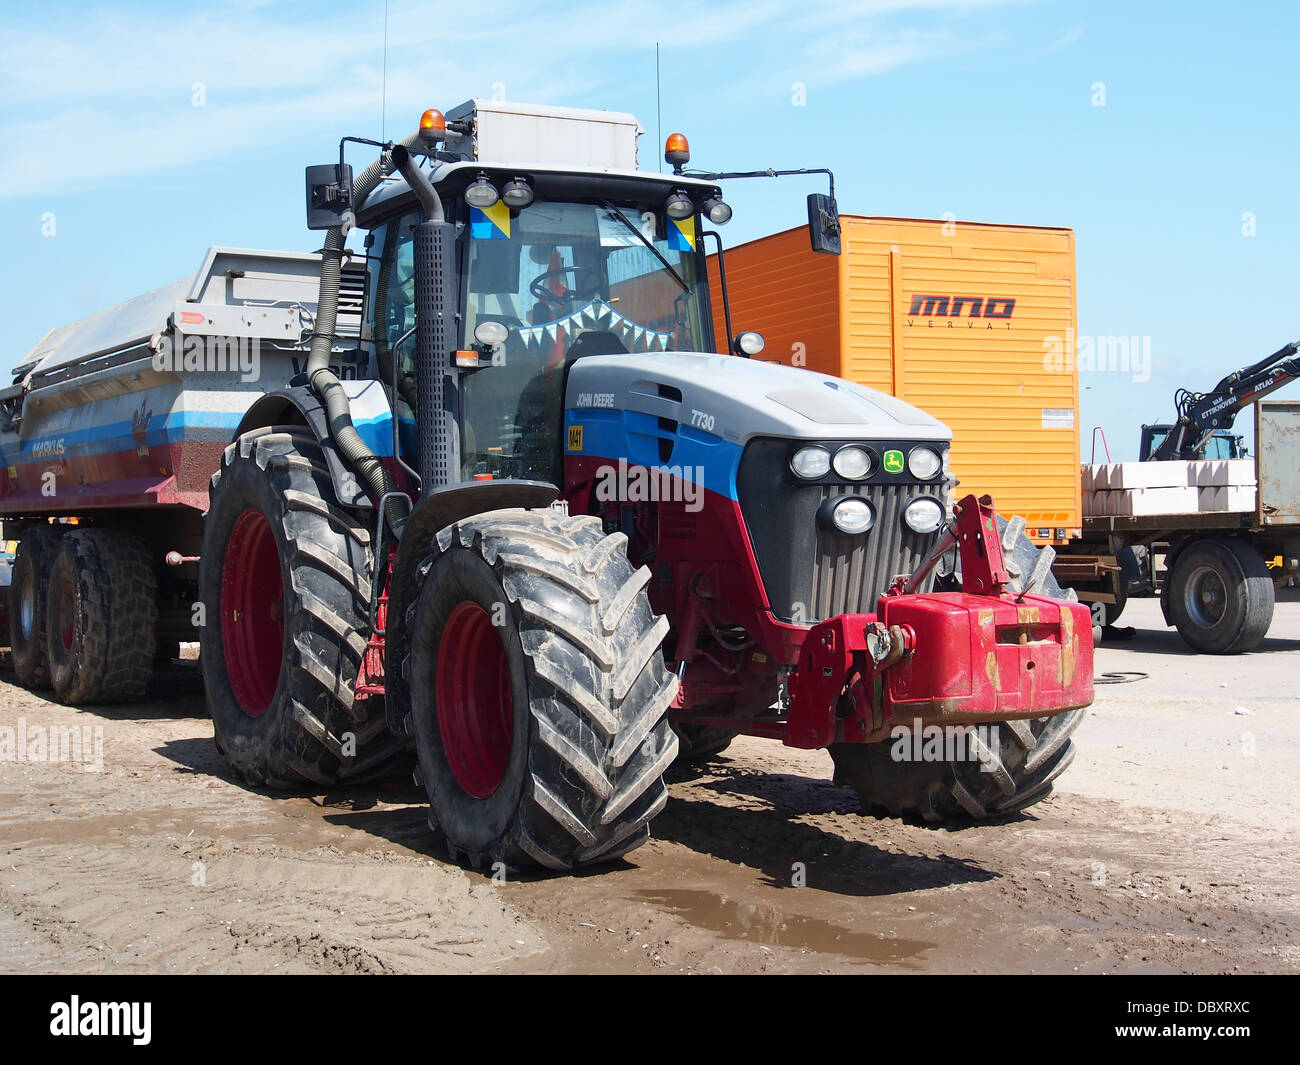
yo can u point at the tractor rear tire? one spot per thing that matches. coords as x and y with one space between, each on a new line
1221 596
101 611
1016 770
538 692
285 588
27 595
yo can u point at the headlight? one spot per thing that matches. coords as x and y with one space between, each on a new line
924 463
811 462
924 515
852 463
853 516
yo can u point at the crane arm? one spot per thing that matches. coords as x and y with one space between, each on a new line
1201 414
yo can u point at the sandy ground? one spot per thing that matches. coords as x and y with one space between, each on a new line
1171 845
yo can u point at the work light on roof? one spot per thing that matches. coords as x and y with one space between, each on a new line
719 213
517 194
679 205
482 193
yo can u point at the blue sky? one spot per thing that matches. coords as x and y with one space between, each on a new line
978 108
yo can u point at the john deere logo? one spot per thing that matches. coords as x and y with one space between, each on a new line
893 461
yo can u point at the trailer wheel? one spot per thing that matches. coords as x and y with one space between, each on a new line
538 691
27 594
101 611
1014 770
285 586
1221 596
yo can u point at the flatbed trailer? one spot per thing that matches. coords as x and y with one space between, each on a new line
1215 573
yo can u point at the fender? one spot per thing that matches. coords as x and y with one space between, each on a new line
299 405
433 513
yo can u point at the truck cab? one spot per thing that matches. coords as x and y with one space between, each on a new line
1221 444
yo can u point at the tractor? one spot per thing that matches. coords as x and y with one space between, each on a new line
526 524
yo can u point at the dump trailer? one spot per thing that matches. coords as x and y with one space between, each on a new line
483 494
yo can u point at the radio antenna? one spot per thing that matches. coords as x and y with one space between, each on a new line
659 111
383 91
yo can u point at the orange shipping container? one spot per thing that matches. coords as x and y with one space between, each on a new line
970 322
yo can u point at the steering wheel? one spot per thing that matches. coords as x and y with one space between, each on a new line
579 291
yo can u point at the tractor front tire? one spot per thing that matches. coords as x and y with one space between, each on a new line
27 595
285 588
700 743
1016 770
538 692
100 615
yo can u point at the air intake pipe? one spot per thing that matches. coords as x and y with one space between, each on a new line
320 377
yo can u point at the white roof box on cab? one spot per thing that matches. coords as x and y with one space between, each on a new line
526 135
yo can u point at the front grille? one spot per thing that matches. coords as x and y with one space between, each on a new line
812 573
849 573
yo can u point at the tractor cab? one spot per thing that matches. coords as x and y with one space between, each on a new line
540 286
548 266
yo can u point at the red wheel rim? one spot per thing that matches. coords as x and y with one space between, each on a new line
474 700
252 613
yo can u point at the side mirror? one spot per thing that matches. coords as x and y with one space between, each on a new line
823 224
329 196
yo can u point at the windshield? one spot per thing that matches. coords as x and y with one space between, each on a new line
567 280
555 271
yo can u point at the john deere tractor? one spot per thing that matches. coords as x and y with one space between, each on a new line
514 511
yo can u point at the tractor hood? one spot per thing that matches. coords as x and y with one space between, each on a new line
739 399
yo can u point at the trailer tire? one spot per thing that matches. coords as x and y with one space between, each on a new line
540 619
1015 770
279 668
1221 596
101 613
27 594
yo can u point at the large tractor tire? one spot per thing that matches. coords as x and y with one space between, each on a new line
285 587
1015 770
27 595
538 691
101 612
1221 596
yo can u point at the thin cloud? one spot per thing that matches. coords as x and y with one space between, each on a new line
120 86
